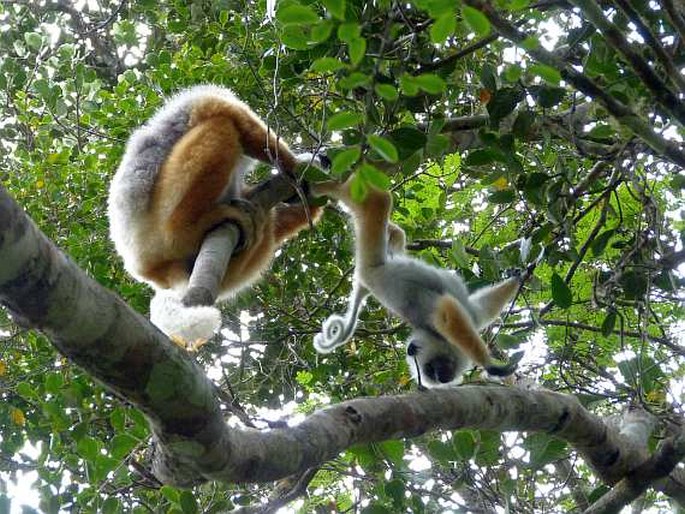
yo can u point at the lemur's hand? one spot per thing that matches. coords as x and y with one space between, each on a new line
250 219
319 159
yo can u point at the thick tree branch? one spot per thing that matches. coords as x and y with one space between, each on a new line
95 329
623 113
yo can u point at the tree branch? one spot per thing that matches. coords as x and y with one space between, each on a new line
671 72
95 329
669 453
662 93
623 113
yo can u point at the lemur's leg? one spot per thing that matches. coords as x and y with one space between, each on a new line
455 325
371 218
290 219
256 139
201 167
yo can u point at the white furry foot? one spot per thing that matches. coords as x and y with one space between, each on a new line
189 324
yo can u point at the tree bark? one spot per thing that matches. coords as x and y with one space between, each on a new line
94 328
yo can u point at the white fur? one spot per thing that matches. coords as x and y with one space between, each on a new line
187 323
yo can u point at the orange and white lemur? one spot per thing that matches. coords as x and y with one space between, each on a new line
181 176
444 315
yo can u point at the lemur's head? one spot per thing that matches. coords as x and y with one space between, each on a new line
434 362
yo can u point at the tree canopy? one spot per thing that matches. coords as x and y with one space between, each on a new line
509 133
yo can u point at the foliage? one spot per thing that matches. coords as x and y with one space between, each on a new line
494 162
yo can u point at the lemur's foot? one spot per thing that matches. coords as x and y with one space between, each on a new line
501 369
318 159
250 219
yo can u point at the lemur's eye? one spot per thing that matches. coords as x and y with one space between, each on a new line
413 348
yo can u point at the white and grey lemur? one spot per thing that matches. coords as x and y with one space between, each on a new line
182 175
444 316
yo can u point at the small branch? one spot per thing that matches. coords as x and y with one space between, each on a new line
662 93
669 453
527 325
671 71
623 114
675 16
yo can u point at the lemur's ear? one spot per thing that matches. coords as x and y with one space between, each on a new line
489 301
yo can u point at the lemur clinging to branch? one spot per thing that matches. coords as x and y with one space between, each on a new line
182 176
444 316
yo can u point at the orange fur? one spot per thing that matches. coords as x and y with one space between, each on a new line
185 202
452 322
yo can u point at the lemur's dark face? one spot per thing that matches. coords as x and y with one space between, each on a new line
441 369
434 362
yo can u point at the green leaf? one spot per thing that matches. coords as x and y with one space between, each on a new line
442 452
547 96
353 80
25 390
561 294
188 502
294 37
503 102
502 197
374 177
349 31
464 444
327 65
53 382
408 85
170 493
430 83
111 506
544 449
387 92
343 120
118 419
296 14
344 160
88 448
608 324
408 140
383 147
121 445
512 73
393 450
34 40
320 32
357 49
547 73
476 20
600 242
336 8
482 157
358 188
443 28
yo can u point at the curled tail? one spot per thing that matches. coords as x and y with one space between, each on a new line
337 330
190 324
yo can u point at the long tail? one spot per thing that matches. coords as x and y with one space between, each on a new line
337 330
189 324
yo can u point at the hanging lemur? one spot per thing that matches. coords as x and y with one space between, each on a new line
182 175
444 316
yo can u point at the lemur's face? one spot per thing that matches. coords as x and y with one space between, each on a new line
433 362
